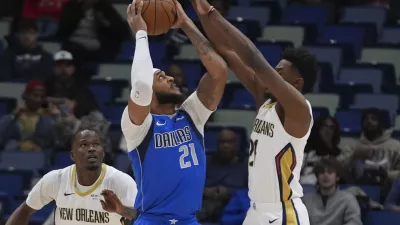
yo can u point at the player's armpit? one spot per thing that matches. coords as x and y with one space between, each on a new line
21 215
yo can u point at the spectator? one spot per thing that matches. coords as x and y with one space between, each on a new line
68 85
92 30
323 142
376 148
43 8
225 175
25 59
30 127
329 205
178 74
393 199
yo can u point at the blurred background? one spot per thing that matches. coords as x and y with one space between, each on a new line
66 63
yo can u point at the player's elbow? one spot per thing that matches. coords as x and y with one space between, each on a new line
221 70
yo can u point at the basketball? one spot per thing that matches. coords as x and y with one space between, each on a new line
159 16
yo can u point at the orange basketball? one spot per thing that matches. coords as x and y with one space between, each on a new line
159 15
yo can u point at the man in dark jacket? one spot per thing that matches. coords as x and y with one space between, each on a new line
92 30
24 59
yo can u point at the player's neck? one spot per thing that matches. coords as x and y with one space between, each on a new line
163 109
88 177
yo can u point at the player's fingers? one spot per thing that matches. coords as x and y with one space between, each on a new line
103 204
139 11
128 9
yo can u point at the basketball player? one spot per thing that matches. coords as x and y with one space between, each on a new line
166 145
77 189
283 123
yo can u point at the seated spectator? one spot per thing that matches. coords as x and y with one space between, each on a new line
376 150
24 59
30 127
67 84
235 211
43 8
92 30
393 198
179 76
225 175
323 142
329 205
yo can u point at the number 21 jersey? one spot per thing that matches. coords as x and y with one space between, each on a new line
275 158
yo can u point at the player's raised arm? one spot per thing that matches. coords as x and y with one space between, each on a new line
142 67
212 84
243 72
296 109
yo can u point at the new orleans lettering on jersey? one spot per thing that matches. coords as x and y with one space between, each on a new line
173 138
84 215
264 127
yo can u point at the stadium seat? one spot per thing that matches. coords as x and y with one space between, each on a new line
23 160
352 35
51 47
371 191
382 101
121 9
271 52
193 72
260 14
244 118
4 28
381 218
62 160
122 162
102 93
6 201
365 14
12 90
383 55
242 99
318 111
308 188
349 121
293 34
187 52
390 35
294 13
13 185
328 54
113 113
110 71
329 101
373 77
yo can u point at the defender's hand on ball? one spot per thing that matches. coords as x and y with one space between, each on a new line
111 202
181 17
134 16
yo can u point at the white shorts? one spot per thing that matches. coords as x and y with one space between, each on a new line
292 212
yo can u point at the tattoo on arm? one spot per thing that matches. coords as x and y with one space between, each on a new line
129 212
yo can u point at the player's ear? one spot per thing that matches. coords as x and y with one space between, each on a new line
72 155
299 84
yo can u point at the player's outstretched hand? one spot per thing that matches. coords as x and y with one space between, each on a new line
111 202
134 16
181 16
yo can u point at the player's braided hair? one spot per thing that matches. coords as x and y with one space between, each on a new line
306 64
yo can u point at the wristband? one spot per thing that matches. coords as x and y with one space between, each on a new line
212 8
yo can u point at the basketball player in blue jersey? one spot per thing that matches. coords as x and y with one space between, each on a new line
166 144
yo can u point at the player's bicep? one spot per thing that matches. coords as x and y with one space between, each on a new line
198 112
134 134
44 191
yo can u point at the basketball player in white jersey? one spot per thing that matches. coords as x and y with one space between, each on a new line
283 123
77 189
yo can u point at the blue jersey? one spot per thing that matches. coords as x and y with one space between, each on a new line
169 166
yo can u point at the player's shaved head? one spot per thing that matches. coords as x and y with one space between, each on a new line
87 149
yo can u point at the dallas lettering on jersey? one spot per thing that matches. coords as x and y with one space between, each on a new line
264 127
84 215
173 138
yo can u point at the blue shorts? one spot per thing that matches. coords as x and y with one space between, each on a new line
145 219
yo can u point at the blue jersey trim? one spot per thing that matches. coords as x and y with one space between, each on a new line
144 146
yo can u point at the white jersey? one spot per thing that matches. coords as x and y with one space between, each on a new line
275 158
80 205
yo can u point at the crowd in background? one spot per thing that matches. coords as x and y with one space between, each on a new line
57 101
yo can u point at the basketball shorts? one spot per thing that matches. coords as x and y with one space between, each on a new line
291 212
159 220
